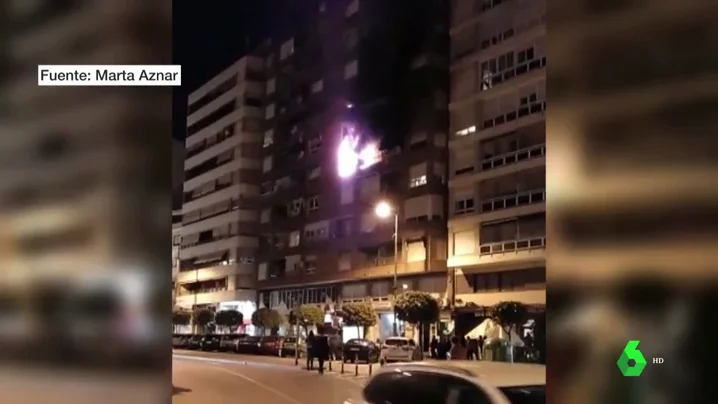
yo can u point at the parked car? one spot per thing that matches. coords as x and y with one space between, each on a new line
228 343
248 345
181 341
457 381
194 342
176 340
271 345
210 343
289 348
361 350
400 349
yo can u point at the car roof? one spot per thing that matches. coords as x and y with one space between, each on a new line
398 338
498 374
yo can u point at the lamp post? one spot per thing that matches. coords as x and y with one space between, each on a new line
384 210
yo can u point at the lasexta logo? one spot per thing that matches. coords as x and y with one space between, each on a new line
632 362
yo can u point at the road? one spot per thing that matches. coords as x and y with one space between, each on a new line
202 378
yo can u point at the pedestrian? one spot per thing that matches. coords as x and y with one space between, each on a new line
473 348
310 350
458 351
322 350
434 347
480 346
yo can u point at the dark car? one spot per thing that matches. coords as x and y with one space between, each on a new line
210 343
361 350
181 341
228 343
194 342
248 345
289 348
271 345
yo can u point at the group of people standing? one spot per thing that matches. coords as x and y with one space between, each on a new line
457 348
319 348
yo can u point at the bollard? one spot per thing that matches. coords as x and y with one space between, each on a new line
356 364
330 365
370 366
342 368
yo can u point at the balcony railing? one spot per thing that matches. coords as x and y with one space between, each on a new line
493 79
197 292
512 246
514 157
521 112
208 264
512 201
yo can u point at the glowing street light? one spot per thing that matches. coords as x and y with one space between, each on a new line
384 210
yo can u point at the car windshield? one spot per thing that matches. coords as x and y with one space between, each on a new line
196 338
525 394
396 342
356 342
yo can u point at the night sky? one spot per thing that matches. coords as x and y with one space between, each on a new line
208 38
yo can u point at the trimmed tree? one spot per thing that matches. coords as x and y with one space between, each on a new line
267 319
359 315
308 315
202 318
181 317
417 308
228 319
510 315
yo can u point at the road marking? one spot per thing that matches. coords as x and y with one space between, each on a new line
262 385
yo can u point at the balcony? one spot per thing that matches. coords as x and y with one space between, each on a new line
513 201
215 272
505 247
494 79
523 159
217 245
517 156
522 252
488 299
213 297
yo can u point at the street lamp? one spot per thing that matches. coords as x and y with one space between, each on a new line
384 210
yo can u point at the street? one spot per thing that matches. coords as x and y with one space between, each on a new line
200 378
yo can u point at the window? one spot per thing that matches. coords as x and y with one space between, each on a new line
265 216
295 238
351 69
177 240
262 271
313 204
310 263
314 173
525 55
246 260
345 262
352 8
318 86
368 222
314 145
463 162
268 138
269 112
417 182
466 131
271 86
464 205
267 164
287 49
347 193
423 208
417 175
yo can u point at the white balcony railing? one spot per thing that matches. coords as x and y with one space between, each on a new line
512 201
512 246
514 157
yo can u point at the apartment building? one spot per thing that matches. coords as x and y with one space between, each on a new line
218 235
349 125
497 181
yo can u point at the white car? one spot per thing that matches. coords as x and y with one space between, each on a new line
399 349
457 382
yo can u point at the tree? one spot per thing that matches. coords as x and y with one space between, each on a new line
308 315
228 319
266 318
510 315
202 318
181 317
416 307
359 315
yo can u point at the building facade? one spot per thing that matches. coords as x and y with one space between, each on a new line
351 122
219 215
497 180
